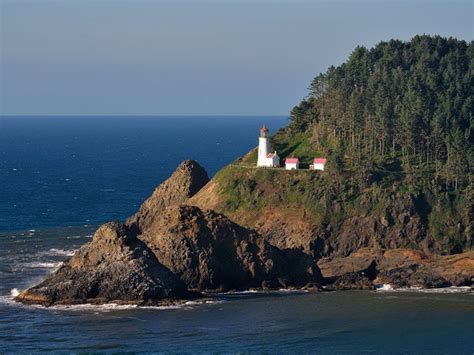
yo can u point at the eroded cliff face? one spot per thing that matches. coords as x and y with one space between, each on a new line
371 237
210 252
169 251
303 209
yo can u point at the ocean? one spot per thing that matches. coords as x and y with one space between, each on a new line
61 177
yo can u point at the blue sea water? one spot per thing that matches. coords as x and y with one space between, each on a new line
60 177
69 171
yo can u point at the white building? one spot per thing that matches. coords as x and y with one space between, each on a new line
292 164
265 158
318 164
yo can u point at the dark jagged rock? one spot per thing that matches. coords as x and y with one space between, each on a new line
364 261
210 252
412 276
185 182
114 266
352 281
398 268
355 273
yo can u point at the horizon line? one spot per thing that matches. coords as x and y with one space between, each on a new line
157 115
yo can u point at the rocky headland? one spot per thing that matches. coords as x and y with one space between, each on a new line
393 205
169 251
180 246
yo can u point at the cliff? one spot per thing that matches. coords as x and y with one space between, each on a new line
209 252
306 209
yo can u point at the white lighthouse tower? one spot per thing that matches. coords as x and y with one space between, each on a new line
265 158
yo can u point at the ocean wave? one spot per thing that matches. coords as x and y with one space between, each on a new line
108 307
260 292
452 289
37 265
79 236
384 287
246 292
291 290
60 252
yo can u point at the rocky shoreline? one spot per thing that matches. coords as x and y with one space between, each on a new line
171 251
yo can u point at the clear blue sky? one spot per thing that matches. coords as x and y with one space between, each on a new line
86 57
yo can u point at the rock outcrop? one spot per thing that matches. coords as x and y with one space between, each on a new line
114 267
185 182
399 268
168 251
210 252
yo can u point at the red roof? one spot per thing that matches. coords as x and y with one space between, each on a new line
320 161
291 161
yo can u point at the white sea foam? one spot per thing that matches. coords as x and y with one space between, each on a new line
79 236
41 265
200 302
109 307
452 289
61 252
8 299
246 292
291 290
259 291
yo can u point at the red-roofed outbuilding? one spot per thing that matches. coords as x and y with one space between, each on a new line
318 164
292 163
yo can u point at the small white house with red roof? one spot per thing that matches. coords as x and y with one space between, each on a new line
318 164
292 163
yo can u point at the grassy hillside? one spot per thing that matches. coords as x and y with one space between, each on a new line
396 213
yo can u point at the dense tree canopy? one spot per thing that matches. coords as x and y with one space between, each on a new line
406 103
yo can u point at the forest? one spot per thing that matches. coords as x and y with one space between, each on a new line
405 106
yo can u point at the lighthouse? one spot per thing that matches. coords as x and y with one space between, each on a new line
265 158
